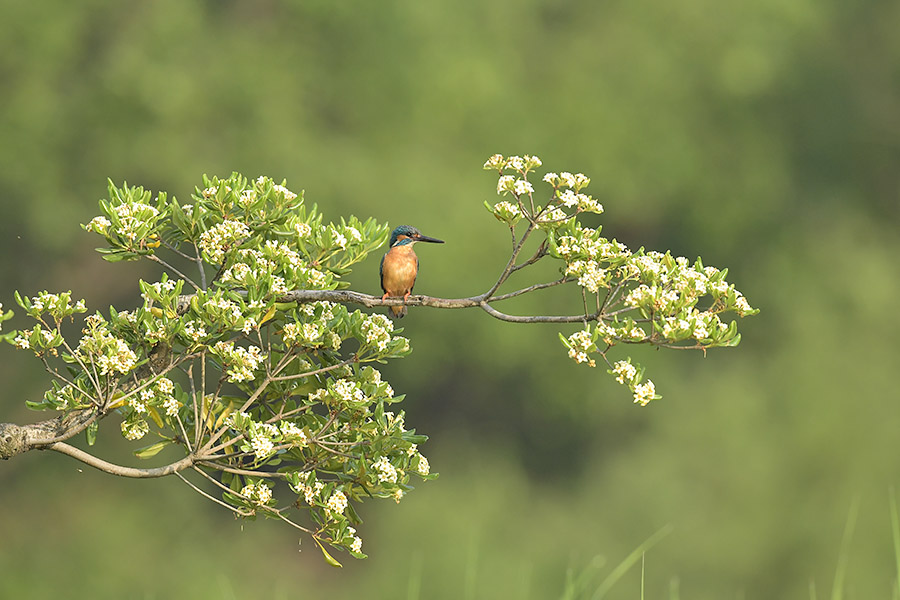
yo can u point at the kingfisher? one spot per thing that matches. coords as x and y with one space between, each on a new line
400 266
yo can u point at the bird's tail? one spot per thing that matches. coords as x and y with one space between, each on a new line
396 312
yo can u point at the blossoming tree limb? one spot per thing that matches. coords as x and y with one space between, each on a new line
246 358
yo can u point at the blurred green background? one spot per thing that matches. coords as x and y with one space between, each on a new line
763 135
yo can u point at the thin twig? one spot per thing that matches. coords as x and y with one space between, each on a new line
158 260
108 467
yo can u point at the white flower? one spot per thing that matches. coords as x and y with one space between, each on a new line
262 445
247 198
258 492
99 224
21 342
356 545
288 194
521 187
338 502
347 391
217 239
507 207
580 343
302 230
423 467
165 385
171 405
515 162
644 392
385 470
625 371
505 184
495 162
135 430
249 325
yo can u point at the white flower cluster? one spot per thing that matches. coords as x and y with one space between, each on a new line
578 182
310 491
699 325
628 332
219 238
394 421
553 216
248 197
133 216
98 225
161 288
309 309
196 331
107 352
377 329
644 392
580 345
587 244
385 470
288 194
422 467
291 433
627 374
521 164
373 376
583 202
507 212
661 299
741 305
345 235
159 393
258 492
240 362
337 503
303 230
134 429
590 276
347 391
261 441
57 305
356 544
45 337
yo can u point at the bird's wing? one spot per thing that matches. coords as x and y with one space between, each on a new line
381 274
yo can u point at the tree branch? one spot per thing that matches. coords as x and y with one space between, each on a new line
108 467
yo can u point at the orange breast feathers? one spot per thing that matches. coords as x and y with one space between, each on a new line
398 273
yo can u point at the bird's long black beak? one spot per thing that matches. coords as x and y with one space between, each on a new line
424 238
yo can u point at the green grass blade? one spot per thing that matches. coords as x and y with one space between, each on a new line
895 531
837 589
629 561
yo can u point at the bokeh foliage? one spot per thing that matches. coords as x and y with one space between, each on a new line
762 135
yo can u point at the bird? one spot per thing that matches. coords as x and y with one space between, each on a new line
400 265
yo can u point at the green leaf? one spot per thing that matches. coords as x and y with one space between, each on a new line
152 449
352 515
733 341
328 558
91 433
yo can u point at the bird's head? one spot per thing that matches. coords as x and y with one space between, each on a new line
407 234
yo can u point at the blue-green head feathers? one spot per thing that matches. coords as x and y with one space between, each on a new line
407 234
